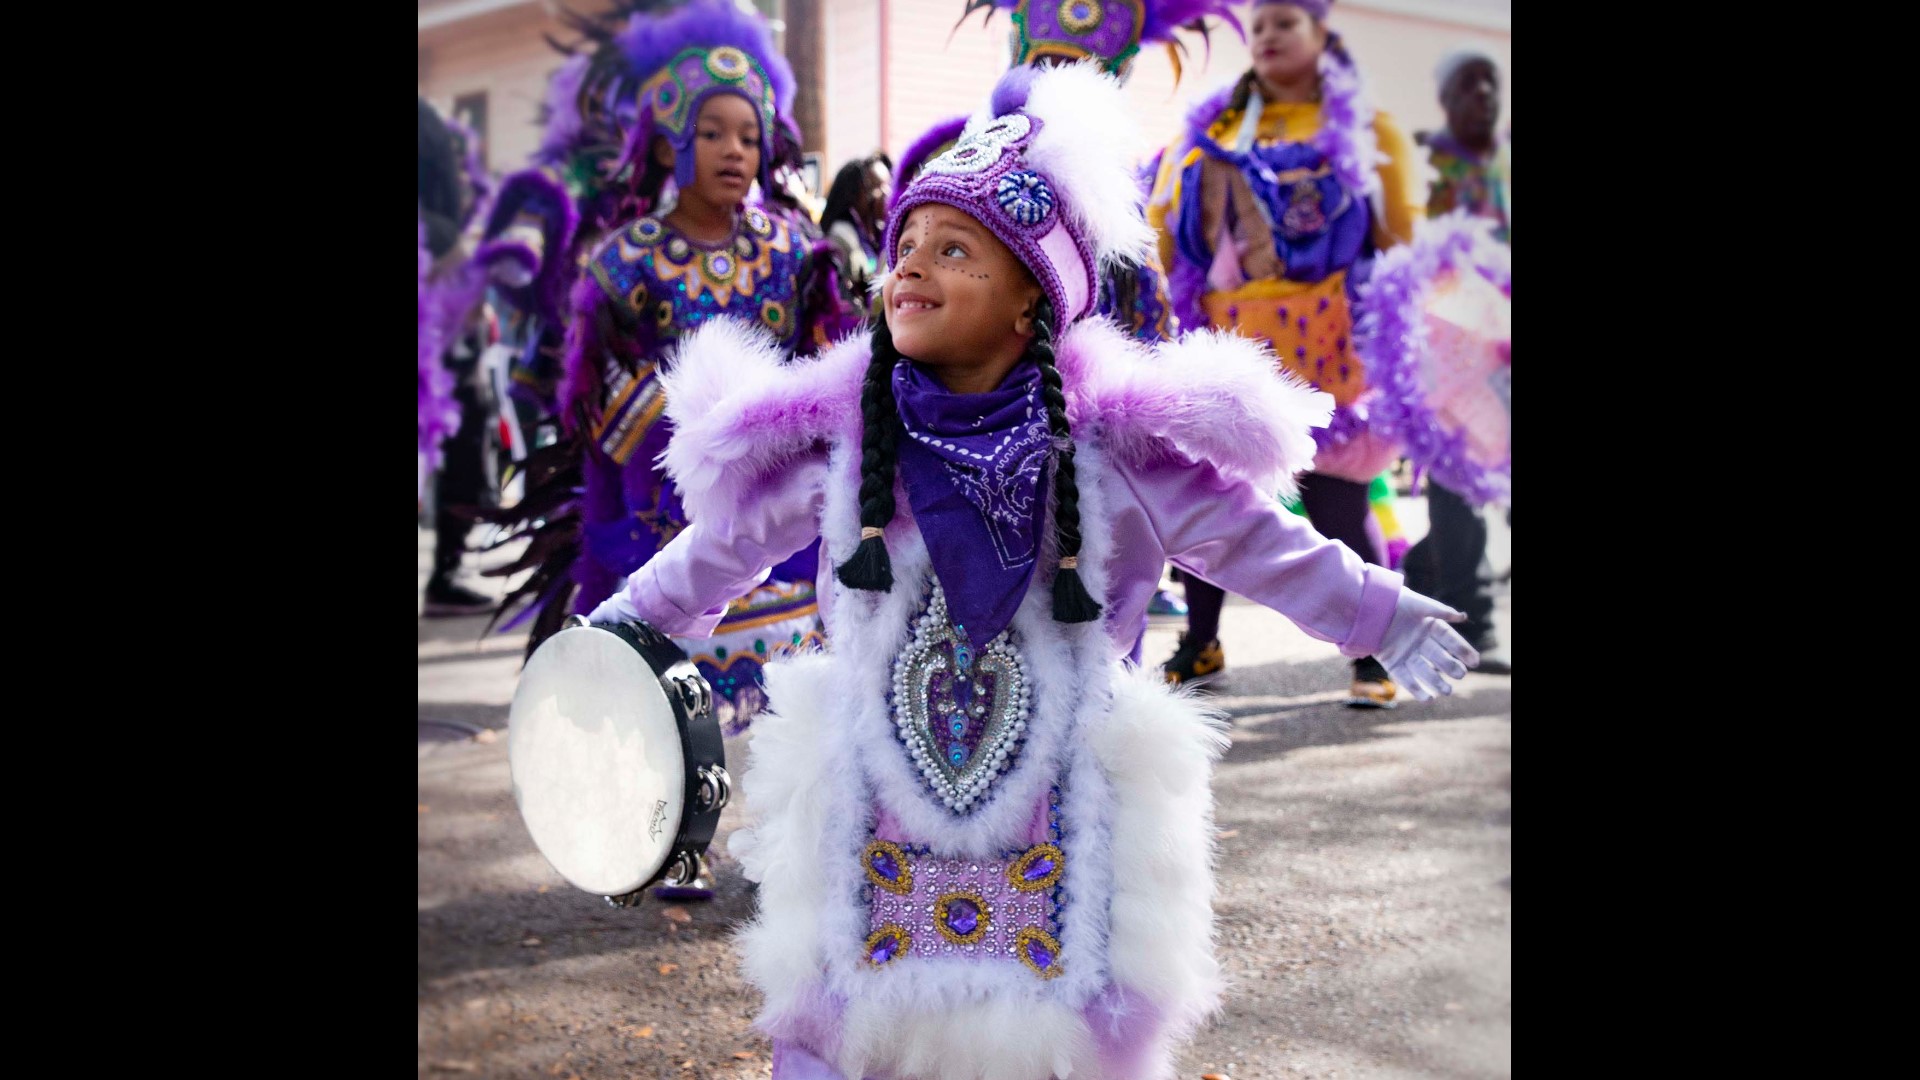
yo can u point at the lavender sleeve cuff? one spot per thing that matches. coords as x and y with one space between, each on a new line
1378 598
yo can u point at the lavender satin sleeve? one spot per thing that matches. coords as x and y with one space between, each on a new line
1239 538
684 590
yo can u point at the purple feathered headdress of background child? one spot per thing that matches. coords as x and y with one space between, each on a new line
655 74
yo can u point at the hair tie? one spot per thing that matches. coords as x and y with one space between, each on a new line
1071 562
871 533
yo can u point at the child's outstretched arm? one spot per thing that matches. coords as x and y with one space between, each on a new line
1238 537
684 590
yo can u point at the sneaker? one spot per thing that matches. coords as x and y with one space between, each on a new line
1371 688
1195 662
446 598
1165 603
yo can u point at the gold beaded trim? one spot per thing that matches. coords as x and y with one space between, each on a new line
893 930
1034 933
899 888
940 916
1018 868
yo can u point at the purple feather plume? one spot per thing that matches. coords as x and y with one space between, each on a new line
439 414
563 127
920 151
649 43
1391 333
1010 93
1166 16
1345 137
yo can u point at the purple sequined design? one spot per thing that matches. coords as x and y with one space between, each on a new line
1004 907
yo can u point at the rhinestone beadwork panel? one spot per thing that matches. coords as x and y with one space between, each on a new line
969 907
961 717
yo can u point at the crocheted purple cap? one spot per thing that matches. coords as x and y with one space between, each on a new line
986 176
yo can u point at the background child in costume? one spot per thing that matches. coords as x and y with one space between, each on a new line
1270 208
982 844
713 90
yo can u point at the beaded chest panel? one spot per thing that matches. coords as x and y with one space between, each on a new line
961 717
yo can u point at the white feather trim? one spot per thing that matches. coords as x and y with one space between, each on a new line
1214 395
739 407
1087 145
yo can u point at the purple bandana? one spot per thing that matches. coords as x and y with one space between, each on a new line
972 465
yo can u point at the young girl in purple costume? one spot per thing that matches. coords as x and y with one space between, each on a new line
983 842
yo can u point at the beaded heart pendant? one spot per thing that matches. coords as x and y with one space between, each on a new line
961 716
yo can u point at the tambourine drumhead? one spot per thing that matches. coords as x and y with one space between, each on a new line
598 768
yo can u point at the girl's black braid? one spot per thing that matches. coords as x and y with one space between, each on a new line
870 568
1071 601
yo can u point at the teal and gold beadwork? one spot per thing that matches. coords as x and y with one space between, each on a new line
886 943
1080 16
727 62
962 916
1039 950
888 867
1037 870
676 285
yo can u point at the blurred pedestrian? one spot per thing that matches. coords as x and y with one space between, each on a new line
1449 563
855 211
1275 200
466 477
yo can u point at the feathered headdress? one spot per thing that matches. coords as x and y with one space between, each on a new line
1108 31
651 78
1048 168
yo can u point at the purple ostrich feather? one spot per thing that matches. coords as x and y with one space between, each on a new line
920 151
647 44
562 123
1345 137
439 413
1163 17
1010 93
1392 334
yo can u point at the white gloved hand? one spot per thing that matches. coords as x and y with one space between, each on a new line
1420 650
617 609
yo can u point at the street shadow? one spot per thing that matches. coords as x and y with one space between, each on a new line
458 714
1263 732
525 929
467 630
494 649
